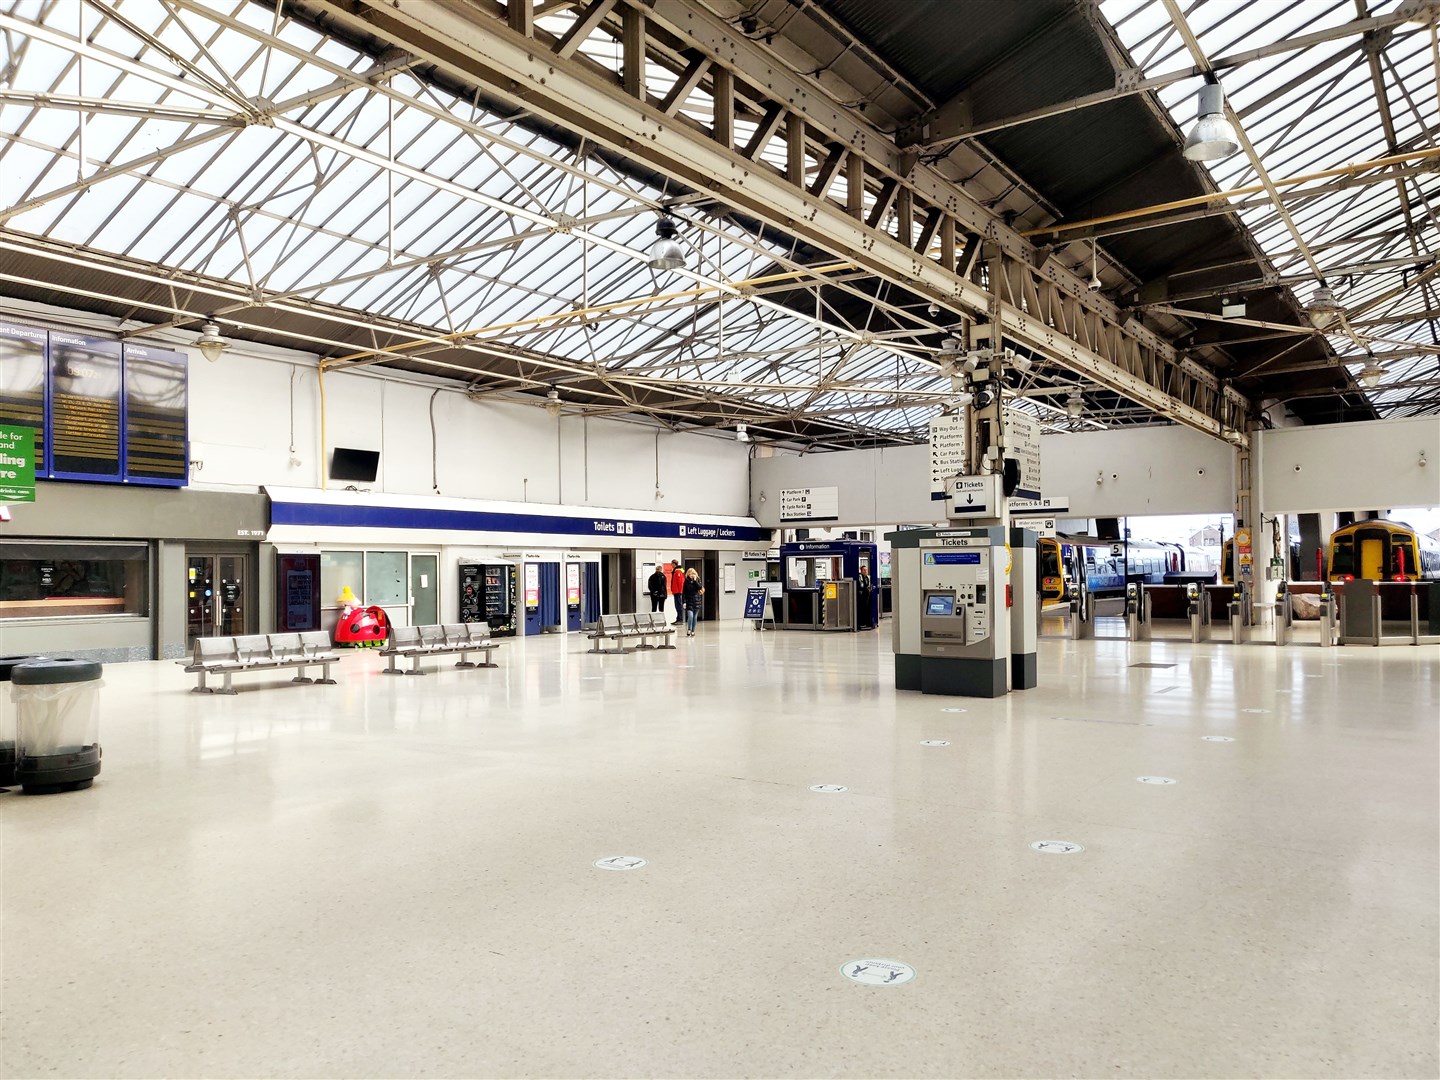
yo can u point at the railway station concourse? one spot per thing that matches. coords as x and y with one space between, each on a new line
390 362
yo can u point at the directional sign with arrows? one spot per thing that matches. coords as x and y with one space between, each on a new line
971 496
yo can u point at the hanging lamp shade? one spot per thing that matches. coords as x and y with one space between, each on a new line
1213 137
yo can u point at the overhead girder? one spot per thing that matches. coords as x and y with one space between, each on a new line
477 44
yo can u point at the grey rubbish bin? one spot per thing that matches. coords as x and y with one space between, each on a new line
7 720
57 724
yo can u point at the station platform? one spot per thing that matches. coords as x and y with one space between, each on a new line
398 876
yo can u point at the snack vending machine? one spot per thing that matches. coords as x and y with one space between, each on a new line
487 594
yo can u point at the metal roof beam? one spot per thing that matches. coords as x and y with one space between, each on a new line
1116 351
951 121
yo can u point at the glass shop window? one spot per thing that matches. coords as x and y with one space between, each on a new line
46 580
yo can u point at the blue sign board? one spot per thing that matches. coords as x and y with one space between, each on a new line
952 558
755 601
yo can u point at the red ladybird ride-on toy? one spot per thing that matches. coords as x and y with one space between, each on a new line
363 628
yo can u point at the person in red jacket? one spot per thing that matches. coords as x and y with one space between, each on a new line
677 590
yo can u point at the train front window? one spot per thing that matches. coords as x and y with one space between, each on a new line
1049 561
1342 558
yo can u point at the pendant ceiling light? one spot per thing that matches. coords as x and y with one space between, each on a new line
1323 309
210 343
553 404
1213 137
666 253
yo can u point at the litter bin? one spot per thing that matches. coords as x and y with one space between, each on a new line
57 724
7 720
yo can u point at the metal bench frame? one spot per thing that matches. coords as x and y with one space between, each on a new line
230 656
417 642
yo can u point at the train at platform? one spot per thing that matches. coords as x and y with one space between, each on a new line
1381 550
1108 566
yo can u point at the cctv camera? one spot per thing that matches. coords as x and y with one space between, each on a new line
1095 283
1297 468
1199 472
933 310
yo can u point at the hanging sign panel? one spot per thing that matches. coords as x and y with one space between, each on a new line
947 452
84 407
810 504
1022 444
156 393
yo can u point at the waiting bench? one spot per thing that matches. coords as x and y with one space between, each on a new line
229 656
641 629
418 642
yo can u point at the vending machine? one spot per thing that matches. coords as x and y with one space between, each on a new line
487 594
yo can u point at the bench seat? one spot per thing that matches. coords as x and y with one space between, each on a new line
416 642
228 656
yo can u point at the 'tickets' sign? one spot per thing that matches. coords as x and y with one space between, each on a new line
17 464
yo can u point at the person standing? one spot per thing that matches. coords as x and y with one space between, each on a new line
656 588
692 592
677 587
864 601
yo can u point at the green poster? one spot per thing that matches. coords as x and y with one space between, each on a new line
17 464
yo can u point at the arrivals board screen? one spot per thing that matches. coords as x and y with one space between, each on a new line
100 411
22 383
155 420
84 407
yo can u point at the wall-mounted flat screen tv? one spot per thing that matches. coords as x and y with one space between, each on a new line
356 466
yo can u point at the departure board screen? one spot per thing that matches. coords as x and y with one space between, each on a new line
22 382
155 415
84 407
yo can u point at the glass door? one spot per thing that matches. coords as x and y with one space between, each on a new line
217 600
424 589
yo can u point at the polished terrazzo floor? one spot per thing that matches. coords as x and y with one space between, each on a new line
395 876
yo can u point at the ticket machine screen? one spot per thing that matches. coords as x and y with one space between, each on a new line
939 604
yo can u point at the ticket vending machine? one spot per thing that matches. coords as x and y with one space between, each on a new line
487 594
952 624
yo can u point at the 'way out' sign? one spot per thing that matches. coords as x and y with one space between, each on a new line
17 464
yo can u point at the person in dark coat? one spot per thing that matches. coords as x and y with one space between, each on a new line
692 592
864 600
656 588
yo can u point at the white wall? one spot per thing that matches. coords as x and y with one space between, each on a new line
240 427
1142 472
1159 470
1366 466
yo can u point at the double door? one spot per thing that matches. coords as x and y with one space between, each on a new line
217 595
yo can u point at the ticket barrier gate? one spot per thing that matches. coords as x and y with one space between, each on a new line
1082 616
1364 605
1145 604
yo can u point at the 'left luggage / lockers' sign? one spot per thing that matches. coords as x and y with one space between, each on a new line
100 411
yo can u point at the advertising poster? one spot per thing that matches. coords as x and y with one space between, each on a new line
532 585
572 584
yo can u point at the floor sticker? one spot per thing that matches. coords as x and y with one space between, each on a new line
1255 710
934 742
829 789
878 972
1056 847
953 708
1216 738
620 862
1154 780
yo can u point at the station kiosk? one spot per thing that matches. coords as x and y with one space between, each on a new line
821 585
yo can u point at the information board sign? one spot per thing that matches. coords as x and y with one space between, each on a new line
22 382
947 452
1022 444
156 451
755 602
572 584
810 504
532 585
84 407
